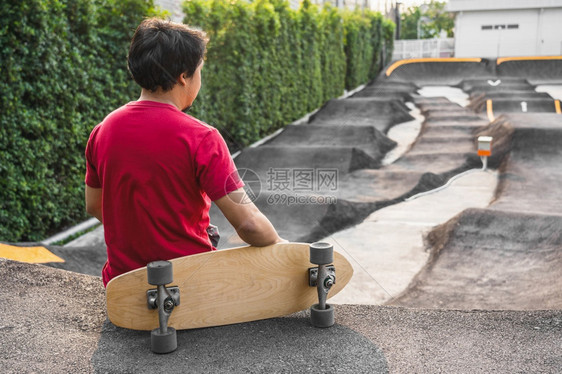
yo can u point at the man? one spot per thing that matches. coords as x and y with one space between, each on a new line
152 170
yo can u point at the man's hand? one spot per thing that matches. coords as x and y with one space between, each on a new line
250 224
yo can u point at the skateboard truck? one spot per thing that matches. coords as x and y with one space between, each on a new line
323 278
162 339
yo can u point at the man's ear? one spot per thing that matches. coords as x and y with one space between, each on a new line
183 79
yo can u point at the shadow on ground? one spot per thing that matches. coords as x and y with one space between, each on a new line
278 345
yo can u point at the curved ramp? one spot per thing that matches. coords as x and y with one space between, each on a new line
366 138
381 114
387 90
479 100
509 255
439 71
495 107
267 159
475 86
452 71
446 141
539 69
487 259
531 180
510 94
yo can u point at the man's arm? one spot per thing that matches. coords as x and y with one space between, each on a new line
250 224
93 202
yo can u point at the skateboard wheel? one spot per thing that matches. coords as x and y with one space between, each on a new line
163 343
159 273
322 317
321 253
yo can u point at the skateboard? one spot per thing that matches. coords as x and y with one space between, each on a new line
226 287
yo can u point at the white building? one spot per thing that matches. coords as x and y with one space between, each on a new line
497 28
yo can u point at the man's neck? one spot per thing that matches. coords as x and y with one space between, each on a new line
160 96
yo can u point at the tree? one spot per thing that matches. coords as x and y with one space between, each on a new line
408 23
428 20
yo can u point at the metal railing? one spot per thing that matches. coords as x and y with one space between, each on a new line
418 48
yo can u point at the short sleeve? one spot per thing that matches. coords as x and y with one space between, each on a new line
92 177
215 169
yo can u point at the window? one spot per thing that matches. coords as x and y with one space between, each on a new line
500 27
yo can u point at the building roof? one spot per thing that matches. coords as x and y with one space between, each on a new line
476 5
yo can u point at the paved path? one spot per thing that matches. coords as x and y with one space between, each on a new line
387 250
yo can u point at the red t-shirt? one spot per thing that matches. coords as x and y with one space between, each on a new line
159 169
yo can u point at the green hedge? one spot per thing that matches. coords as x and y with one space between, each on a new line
268 65
388 28
62 69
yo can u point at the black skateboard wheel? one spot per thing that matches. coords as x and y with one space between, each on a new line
163 343
159 273
321 253
322 317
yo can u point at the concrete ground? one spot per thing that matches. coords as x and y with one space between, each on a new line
55 323
456 268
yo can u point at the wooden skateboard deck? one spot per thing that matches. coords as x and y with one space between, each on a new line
225 287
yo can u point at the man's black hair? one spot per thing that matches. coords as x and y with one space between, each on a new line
161 51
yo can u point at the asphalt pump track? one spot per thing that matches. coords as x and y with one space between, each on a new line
486 294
